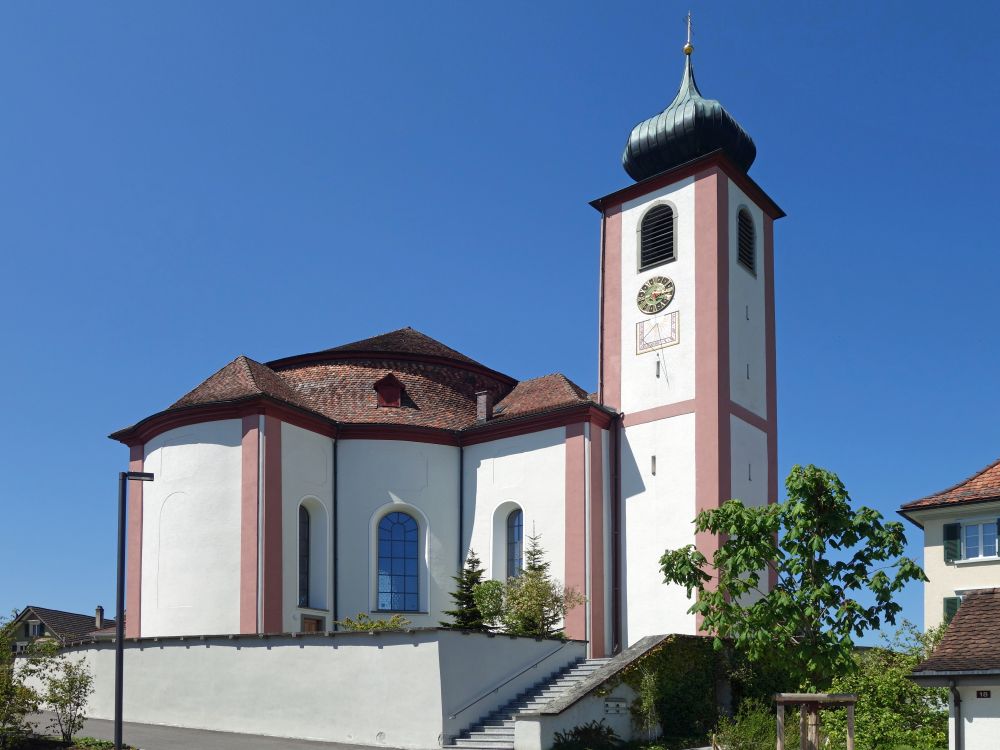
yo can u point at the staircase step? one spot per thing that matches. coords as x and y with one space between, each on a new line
485 744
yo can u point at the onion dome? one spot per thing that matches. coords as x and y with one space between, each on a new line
690 127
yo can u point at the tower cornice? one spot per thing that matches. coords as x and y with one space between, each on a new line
718 159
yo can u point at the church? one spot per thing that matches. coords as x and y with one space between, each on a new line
293 493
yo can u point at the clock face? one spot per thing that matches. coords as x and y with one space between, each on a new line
655 295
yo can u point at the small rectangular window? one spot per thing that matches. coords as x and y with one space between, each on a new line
972 540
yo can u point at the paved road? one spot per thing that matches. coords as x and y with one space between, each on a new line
154 737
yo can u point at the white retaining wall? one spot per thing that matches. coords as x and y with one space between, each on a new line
399 689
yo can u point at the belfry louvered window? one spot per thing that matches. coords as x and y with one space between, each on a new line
656 237
747 248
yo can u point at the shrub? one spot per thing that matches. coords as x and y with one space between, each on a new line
594 735
364 623
755 728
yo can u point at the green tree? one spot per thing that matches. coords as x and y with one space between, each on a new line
17 700
466 615
534 603
892 710
66 687
826 556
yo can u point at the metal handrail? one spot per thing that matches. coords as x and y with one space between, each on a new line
509 679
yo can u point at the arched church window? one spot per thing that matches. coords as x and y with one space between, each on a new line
656 237
303 556
515 542
747 241
398 575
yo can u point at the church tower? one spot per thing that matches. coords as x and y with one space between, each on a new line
687 350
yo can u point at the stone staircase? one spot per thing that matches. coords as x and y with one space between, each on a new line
496 730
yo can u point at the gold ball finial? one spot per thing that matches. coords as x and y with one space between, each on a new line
688 48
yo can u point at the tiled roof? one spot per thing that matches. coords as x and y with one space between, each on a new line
981 486
241 378
338 384
434 395
540 394
66 626
972 641
404 341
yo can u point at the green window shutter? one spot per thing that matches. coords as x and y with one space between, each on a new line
951 604
952 542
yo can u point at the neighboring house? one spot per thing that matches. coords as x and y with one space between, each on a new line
968 662
960 527
33 623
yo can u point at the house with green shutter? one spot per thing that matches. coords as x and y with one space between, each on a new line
960 526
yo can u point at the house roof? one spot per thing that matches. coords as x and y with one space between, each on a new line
66 626
439 385
982 486
971 643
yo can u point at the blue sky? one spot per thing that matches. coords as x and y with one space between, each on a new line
184 182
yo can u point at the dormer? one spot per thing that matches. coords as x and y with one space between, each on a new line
390 391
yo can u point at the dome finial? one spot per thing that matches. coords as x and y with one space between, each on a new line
688 47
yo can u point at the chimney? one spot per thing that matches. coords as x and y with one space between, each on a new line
484 406
99 617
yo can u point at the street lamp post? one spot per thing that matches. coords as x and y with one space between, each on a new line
123 478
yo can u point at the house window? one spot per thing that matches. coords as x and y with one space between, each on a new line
747 241
389 391
303 556
951 605
970 541
35 630
515 542
656 237
398 576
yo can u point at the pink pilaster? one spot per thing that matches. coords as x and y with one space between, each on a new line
597 560
611 310
576 527
249 543
712 396
133 561
272 562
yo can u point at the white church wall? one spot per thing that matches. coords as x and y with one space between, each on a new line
748 474
392 689
748 454
528 471
658 513
747 342
306 477
677 369
191 530
377 477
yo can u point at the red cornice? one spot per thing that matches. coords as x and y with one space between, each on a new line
156 424
688 169
299 360
537 422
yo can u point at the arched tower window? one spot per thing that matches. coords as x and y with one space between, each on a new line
398 574
656 237
303 556
515 542
747 247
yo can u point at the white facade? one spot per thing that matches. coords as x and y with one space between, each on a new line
191 530
377 477
658 512
960 576
526 472
980 723
644 386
